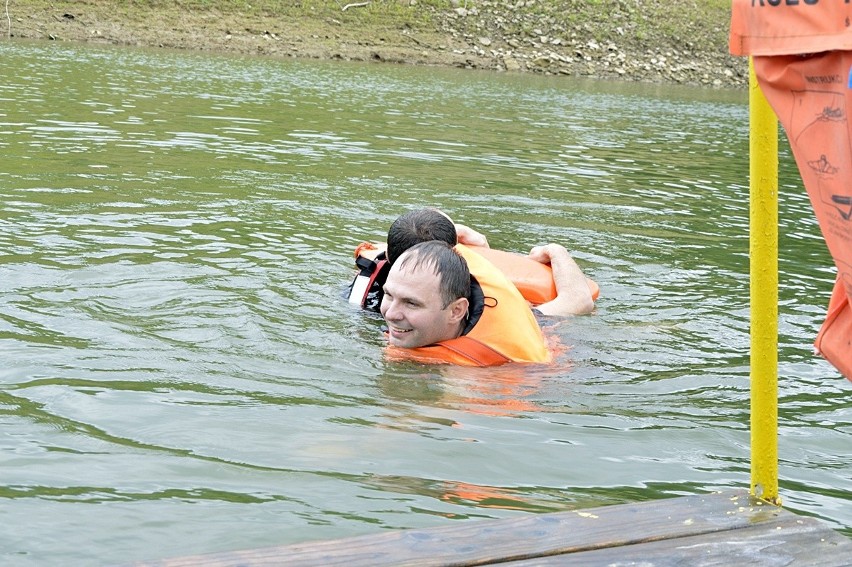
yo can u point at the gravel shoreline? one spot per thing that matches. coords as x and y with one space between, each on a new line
488 35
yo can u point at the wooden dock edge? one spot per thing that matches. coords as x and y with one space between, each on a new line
690 530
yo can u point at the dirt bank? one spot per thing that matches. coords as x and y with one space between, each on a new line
638 40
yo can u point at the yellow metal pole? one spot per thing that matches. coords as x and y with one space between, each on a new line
763 254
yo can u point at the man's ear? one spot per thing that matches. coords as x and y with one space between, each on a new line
458 309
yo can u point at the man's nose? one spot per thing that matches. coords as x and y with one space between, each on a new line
392 311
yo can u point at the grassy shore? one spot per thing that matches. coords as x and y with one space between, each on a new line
640 40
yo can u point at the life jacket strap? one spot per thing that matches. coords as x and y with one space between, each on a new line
475 351
365 281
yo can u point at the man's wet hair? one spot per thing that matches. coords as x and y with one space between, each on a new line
443 261
419 225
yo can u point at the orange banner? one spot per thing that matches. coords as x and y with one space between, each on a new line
803 61
786 27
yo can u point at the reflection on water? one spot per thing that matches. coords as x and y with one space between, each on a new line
175 234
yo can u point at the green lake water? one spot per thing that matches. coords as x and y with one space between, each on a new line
181 374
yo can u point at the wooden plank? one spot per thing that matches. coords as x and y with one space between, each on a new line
478 543
804 542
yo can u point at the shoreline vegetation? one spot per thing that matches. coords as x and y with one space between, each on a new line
654 41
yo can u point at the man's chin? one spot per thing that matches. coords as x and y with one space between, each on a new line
406 340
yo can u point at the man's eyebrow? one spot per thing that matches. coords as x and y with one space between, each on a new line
409 298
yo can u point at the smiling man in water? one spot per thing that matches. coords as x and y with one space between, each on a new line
425 296
437 312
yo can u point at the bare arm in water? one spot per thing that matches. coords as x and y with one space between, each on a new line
573 296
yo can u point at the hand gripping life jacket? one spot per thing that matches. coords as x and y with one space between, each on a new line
502 327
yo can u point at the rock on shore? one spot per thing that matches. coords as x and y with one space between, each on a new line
506 36
633 42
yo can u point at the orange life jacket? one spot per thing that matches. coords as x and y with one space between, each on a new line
533 279
505 332
802 58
